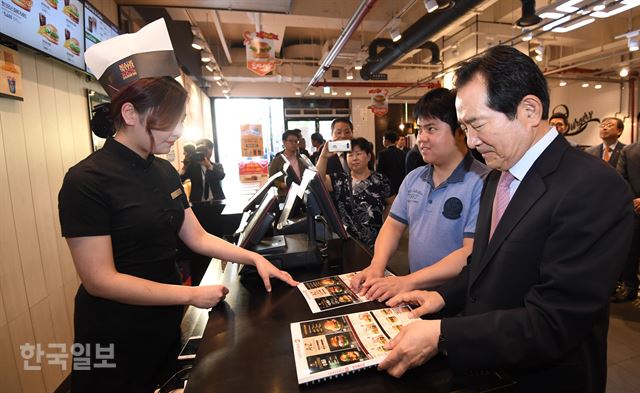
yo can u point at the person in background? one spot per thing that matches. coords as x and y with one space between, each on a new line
317 140
205 175
361 196
302 143
341 129
534 298
413 159
401 143
391 161
437 204
122 210
628 167
291 156
609 150
561 123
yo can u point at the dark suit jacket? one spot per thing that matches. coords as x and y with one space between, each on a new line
413 159
535 298
334 165
391 164
597 151
629 167
194 172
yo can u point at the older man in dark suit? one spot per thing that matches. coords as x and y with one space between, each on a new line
629 168
534 297
609 150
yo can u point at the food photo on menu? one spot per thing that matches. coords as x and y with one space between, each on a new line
331 292
24 4
339 345
52 3
47 30
72 44
71 11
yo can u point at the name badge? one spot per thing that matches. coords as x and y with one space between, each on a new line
176 193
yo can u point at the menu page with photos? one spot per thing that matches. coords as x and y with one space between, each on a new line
331 292
339 345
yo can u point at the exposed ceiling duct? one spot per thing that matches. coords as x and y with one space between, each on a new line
415 35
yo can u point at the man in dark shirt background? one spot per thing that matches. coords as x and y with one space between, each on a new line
391 161
205 175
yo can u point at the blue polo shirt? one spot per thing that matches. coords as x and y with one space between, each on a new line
439 218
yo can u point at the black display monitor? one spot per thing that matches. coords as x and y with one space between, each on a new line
319 195
257 197
260 221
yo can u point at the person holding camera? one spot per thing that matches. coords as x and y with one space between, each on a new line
205 175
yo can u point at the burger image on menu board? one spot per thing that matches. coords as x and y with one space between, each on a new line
72 45
52 3
260 49
72 12
48 31
24 4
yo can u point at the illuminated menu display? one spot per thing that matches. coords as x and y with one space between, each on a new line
97 27
54 27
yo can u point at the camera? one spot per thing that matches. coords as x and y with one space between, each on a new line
199 154
339 146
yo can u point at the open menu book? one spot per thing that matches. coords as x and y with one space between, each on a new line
331 292
333 346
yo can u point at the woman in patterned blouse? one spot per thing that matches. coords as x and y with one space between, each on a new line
362 196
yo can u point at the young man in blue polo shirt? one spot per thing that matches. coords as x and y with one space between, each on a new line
437 202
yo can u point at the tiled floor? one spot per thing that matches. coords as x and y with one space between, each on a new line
623 355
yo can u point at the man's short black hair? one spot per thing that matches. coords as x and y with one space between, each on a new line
342 120
317 137
288 133
298 131
391 136
510 75
560 116
205 142
438 104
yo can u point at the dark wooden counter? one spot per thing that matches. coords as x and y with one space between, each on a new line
247 340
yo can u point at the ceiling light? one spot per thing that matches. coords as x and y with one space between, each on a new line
219 83
206 56
539 58
599 7
539 49
198 43
326 90
334 93
563 83
208 67
431 5
395 34
526 35
347 93
454 51
598 86
624 72
357 65
632 43
217 75
585 84
312 92
226 90
349 74
401 126
298 92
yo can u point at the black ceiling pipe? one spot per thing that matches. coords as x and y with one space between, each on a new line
435 51
529 17
415 35
377 44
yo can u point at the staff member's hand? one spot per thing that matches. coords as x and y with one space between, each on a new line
360 283
267 270
428 302
383 288
207 296
414 345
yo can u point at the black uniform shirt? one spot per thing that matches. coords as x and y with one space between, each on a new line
139 203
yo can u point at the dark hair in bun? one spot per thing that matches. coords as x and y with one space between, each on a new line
102 121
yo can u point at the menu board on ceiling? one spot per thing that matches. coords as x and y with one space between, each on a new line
51 26
97 27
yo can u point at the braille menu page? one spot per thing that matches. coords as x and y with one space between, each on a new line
331 292
328 347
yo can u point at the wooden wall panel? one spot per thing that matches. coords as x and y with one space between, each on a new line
22 200
62 324
39 178
42 322
11 282
10 380
21 332
3 314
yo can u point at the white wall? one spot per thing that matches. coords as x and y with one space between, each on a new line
609 101
363 120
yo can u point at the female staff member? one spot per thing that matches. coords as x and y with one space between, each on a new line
361 196
121 210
